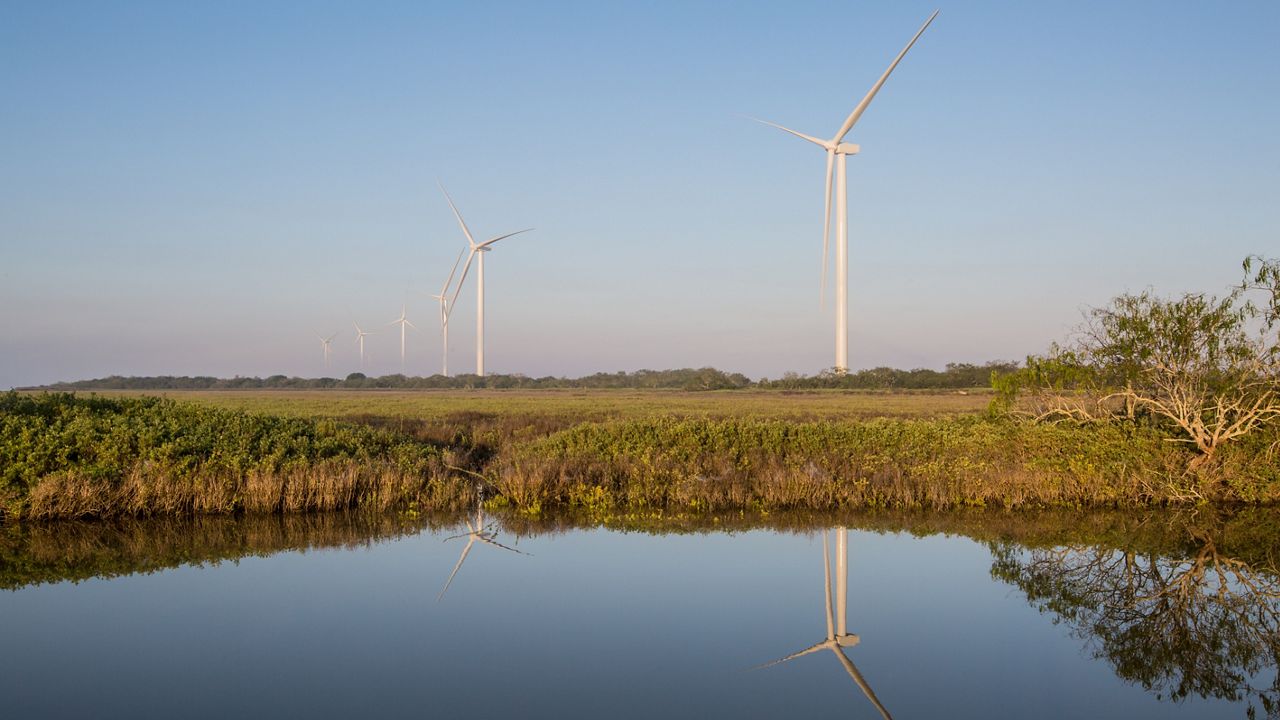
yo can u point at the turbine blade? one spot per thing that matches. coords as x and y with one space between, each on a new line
802 136
461 559
491 241
461 222
826 228
861 682
500 545
862 106
811 649
463 279
445 290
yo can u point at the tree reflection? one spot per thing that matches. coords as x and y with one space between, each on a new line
1193 623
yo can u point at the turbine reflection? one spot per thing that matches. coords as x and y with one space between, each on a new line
477 530
838 638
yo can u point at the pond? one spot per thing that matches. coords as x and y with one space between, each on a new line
966 615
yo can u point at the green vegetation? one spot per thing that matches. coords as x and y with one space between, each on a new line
1200 370
65 456
942 463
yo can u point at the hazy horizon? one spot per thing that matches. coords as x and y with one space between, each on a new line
199 190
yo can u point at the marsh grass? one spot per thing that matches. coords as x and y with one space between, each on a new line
949 463
66 456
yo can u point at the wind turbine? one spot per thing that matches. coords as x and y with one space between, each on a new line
402 321
838 638
837 150
326 342
360 340
476 530
476 249
444 311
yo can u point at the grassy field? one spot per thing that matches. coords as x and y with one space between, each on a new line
586 405
114 453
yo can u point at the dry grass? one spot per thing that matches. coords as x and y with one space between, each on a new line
325 486
569 407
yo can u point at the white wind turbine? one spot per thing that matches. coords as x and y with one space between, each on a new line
837 150
443 299
360 341
326 342
838 638
476 249
402 321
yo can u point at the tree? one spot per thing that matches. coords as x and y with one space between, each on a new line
1208 367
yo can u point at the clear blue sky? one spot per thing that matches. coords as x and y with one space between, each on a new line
199 188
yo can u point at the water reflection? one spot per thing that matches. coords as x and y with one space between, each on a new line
838 637
1200 622
1183 605
477 530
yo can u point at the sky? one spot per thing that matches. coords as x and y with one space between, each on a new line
202 188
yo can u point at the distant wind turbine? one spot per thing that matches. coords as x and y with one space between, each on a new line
476 249
326 342
837 150
402 321
443 299
838 637
360 341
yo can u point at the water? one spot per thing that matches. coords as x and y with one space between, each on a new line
331 616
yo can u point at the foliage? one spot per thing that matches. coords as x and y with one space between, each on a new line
1207 368
641 451
112 447
956 376
682 379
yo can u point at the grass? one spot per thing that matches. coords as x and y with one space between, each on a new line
601 451
574 406
67 456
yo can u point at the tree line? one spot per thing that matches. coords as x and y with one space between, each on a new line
956 376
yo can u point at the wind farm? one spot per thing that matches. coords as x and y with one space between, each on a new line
836 150
1041 436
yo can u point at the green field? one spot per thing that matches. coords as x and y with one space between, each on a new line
585 405
600 451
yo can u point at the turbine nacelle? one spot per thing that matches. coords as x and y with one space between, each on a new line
848 640
845 148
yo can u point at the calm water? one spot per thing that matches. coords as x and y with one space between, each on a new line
335 617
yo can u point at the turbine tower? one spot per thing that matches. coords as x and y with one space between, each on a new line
838 638
476 249
360 341
326 342
402 321
443 299
837 150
